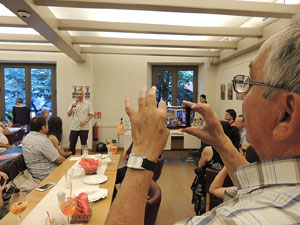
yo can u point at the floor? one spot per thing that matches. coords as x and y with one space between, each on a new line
175 181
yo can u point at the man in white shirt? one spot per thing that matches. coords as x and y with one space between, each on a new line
268 191
81 113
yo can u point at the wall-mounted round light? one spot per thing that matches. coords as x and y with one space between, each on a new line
24 14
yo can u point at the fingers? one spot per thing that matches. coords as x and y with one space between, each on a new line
162 106
129 110
193 131
187 103
151 97
142 98
4 175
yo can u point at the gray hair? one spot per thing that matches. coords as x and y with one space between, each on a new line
282 67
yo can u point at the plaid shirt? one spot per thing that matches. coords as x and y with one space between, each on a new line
269 193
39 155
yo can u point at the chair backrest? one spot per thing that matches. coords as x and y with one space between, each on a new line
11 138
210 176
20 135
159 166
153 203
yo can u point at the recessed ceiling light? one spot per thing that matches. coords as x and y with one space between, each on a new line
24 14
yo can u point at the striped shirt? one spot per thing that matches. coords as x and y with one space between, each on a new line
268 193
39 155
79 114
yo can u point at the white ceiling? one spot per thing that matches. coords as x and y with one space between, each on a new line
190 28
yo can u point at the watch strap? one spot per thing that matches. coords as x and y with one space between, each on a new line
149 165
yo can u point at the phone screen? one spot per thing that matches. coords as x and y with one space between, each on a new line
178 117
45 187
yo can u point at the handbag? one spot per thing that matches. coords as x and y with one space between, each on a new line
23 180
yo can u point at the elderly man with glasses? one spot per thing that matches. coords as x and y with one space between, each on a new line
269 191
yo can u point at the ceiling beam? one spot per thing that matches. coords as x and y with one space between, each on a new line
84 25
23 38
30 48
149 51
152 42
44 22
11 21
228 7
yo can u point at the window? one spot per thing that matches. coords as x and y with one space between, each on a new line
175 83
34 83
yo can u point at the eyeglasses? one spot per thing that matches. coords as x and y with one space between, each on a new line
242 83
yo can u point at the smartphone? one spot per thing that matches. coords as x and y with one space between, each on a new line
45 187
178 117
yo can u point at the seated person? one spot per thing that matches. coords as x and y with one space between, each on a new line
3 207
45 113
40 155
230 116
211 156
3 139
55 135
122 171
216 188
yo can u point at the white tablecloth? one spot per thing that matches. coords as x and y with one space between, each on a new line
49 203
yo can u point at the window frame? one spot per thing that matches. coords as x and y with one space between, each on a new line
175 69
28 67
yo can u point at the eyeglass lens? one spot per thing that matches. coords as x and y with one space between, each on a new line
241 83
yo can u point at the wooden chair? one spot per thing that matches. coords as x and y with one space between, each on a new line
211 200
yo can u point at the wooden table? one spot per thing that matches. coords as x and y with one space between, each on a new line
100 208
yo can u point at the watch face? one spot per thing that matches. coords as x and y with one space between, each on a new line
135 161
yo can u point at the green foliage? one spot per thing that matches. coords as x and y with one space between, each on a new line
15 88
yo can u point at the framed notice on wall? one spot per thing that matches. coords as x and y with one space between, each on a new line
230 91
222 86
86 90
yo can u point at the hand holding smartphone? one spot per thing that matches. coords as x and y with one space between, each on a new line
45 187
178 117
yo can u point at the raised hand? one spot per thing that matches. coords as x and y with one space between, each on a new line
148 124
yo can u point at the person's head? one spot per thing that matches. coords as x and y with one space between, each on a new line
272 114
55 127
203 98
39 124
79 94
233 133
19 101
230 115
240 122
45 113
251 155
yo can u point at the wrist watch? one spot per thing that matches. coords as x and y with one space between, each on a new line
86 121
136 161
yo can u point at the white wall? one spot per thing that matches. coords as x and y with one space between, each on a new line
120 75
111 77
225 72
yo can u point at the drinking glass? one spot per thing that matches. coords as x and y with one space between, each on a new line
69 173
68 207
18 204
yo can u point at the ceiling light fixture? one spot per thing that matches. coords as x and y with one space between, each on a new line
24 14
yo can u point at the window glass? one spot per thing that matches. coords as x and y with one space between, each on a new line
164 86
185 86
14 80
40 90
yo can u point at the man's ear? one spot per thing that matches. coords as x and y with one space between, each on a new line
288 120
